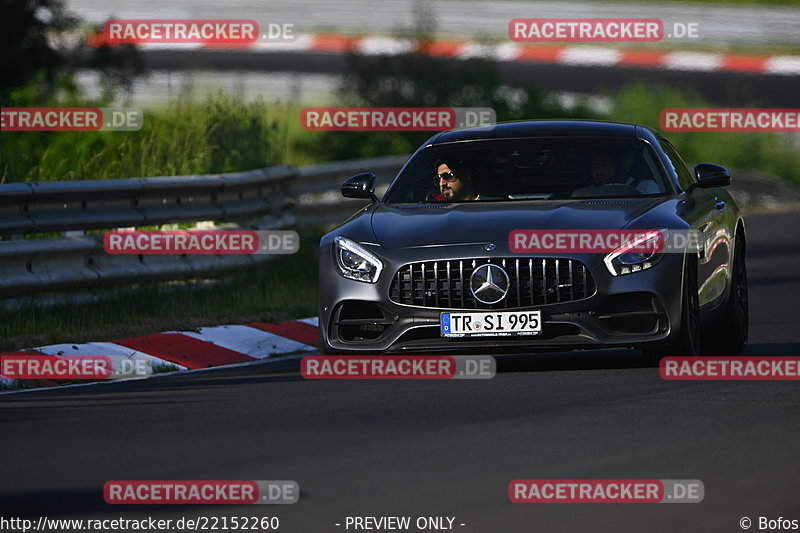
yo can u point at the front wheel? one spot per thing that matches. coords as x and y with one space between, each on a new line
729 336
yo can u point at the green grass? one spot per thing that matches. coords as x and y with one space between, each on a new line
283 289
222 134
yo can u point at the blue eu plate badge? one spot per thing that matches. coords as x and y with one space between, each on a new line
445 323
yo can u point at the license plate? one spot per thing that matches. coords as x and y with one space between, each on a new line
506 323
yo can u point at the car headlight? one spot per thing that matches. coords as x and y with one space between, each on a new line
639 253
355 262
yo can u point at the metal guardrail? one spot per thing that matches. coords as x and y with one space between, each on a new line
269 198
319 188
60 206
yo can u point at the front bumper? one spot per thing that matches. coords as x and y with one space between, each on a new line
625 311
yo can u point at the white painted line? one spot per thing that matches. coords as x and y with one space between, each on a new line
103 348
783 65
109 348
479 50
692 61
67 349
314 321
508 52
590 56
301 44
248 341
384 46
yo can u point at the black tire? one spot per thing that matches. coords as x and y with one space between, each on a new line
729 335
687 343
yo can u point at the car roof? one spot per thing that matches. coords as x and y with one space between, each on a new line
539 128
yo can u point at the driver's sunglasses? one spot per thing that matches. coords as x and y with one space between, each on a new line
446 176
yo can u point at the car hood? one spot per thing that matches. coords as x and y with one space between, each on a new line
409 226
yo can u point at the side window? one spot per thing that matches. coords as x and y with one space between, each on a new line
685 177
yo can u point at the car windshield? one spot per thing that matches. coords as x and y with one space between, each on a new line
530 169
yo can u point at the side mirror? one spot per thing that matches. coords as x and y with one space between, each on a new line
360 186
712 176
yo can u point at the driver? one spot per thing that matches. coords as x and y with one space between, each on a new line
454 181
604 173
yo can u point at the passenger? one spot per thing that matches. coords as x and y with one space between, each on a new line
604 174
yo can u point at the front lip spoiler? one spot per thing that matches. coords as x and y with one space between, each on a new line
491 346
528 343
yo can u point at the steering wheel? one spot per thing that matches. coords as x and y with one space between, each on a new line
434 197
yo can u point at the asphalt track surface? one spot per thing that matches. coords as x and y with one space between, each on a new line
444 448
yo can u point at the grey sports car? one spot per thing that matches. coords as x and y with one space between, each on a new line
443 262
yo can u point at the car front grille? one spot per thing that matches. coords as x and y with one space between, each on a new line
445 284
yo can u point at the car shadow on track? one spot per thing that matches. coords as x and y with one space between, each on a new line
615 359
573 360
773 349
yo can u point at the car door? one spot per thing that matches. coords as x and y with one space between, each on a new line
708 212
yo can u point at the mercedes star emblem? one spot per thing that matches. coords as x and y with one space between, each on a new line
489 284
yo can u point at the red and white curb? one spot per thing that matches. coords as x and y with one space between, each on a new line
192 350
573 55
